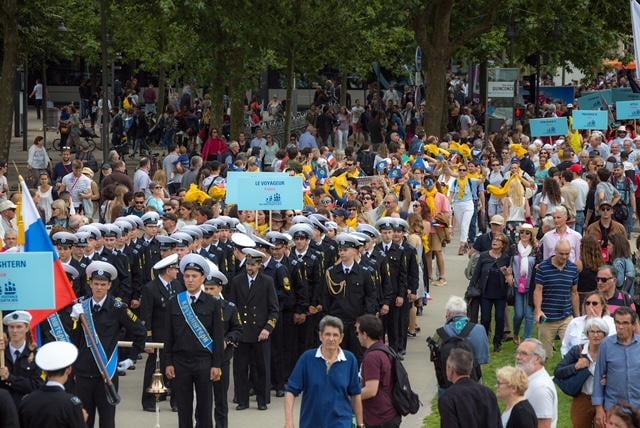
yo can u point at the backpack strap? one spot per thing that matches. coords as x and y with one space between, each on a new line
442 333
467 329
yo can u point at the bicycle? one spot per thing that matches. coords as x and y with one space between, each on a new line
86 134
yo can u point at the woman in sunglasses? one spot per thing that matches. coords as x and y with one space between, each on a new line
461 197
594 306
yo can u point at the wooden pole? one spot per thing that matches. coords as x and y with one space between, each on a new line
270 218
256 222
5 345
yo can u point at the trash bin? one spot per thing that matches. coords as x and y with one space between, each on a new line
53 117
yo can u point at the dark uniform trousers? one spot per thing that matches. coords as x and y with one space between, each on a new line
283 349
232 333
192 362
109 321
258 308
413 279
153 311
392 322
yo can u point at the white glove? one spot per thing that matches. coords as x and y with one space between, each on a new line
76 311
125 364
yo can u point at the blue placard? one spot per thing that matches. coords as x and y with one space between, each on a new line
590 119
624 94
626 110
264 191
596 100
26 281
549 127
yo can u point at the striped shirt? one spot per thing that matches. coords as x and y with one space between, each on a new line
556 292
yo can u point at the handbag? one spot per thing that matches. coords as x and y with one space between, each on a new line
511 295
572 385
620 213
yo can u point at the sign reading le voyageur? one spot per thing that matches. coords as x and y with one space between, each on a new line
26 281
264 191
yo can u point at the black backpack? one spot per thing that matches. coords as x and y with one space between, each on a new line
402 396
439 352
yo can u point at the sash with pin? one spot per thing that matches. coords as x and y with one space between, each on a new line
57 329
194 322
99 353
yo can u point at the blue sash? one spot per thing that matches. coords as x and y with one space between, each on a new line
193 322
99 354
57 330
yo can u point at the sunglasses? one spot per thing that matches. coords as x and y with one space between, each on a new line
495 164
350 164
367 198
289 215
325 201
602 279
525 232
462 170
605 209
591 302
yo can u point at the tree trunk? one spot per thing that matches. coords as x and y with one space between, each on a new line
343 89
289 103
9 16
162 75
235 71
435 112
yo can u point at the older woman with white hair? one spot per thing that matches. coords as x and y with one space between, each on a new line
594 306
572 370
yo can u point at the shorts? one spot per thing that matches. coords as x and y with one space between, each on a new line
436 243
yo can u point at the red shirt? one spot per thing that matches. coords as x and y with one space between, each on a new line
376 365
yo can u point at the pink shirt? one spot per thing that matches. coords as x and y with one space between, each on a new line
551 239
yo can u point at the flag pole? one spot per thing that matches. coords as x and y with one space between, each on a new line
20 220
5 345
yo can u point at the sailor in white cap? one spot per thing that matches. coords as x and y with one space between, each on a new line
150 245
183 246
226 246
240 241
312 264
400 228
121 285
205 250
320 242
20 374
350 291
194 345
253 292
217 247
214 286
106 317
51 404
154 312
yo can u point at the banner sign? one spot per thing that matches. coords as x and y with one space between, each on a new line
555 94
549 127
626 110
596 100
623 94
500 89
26 281
590 119
264 191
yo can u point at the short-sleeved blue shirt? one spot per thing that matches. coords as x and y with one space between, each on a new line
326 393
557 288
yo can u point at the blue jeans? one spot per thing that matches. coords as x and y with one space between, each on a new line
522 310
630 221
580 226
485 317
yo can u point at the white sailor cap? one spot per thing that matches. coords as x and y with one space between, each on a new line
214 222
56 355
261 243
216 278
301 219
64 239
150 218
134 219
363 238
241 240
319 217
318 225
400 224
195 262
233 222
194 231
101 227
253 256
169 261
124 225
331 225
184 239
17 317
301 230
71 271
82 238
223 222
167 242
346 240
91 230
208 230
277 238
385 223
212 265
241 228
111 231
101 270
367 229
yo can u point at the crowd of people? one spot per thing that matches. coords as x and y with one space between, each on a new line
544 224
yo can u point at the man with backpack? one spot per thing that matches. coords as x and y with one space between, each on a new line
377 375
458 333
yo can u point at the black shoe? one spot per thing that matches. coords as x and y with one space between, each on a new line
252 392
497 347
262 407
149 409
242 407
235 400
400 357
279 393
411 334
174 409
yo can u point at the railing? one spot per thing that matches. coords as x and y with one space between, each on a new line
275 127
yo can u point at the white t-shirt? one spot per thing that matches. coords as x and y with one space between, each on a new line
355 114
75 186
37 89
543 396
583 189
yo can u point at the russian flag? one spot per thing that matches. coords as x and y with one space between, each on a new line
32 233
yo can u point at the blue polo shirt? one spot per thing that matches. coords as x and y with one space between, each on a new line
327 392
556 292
